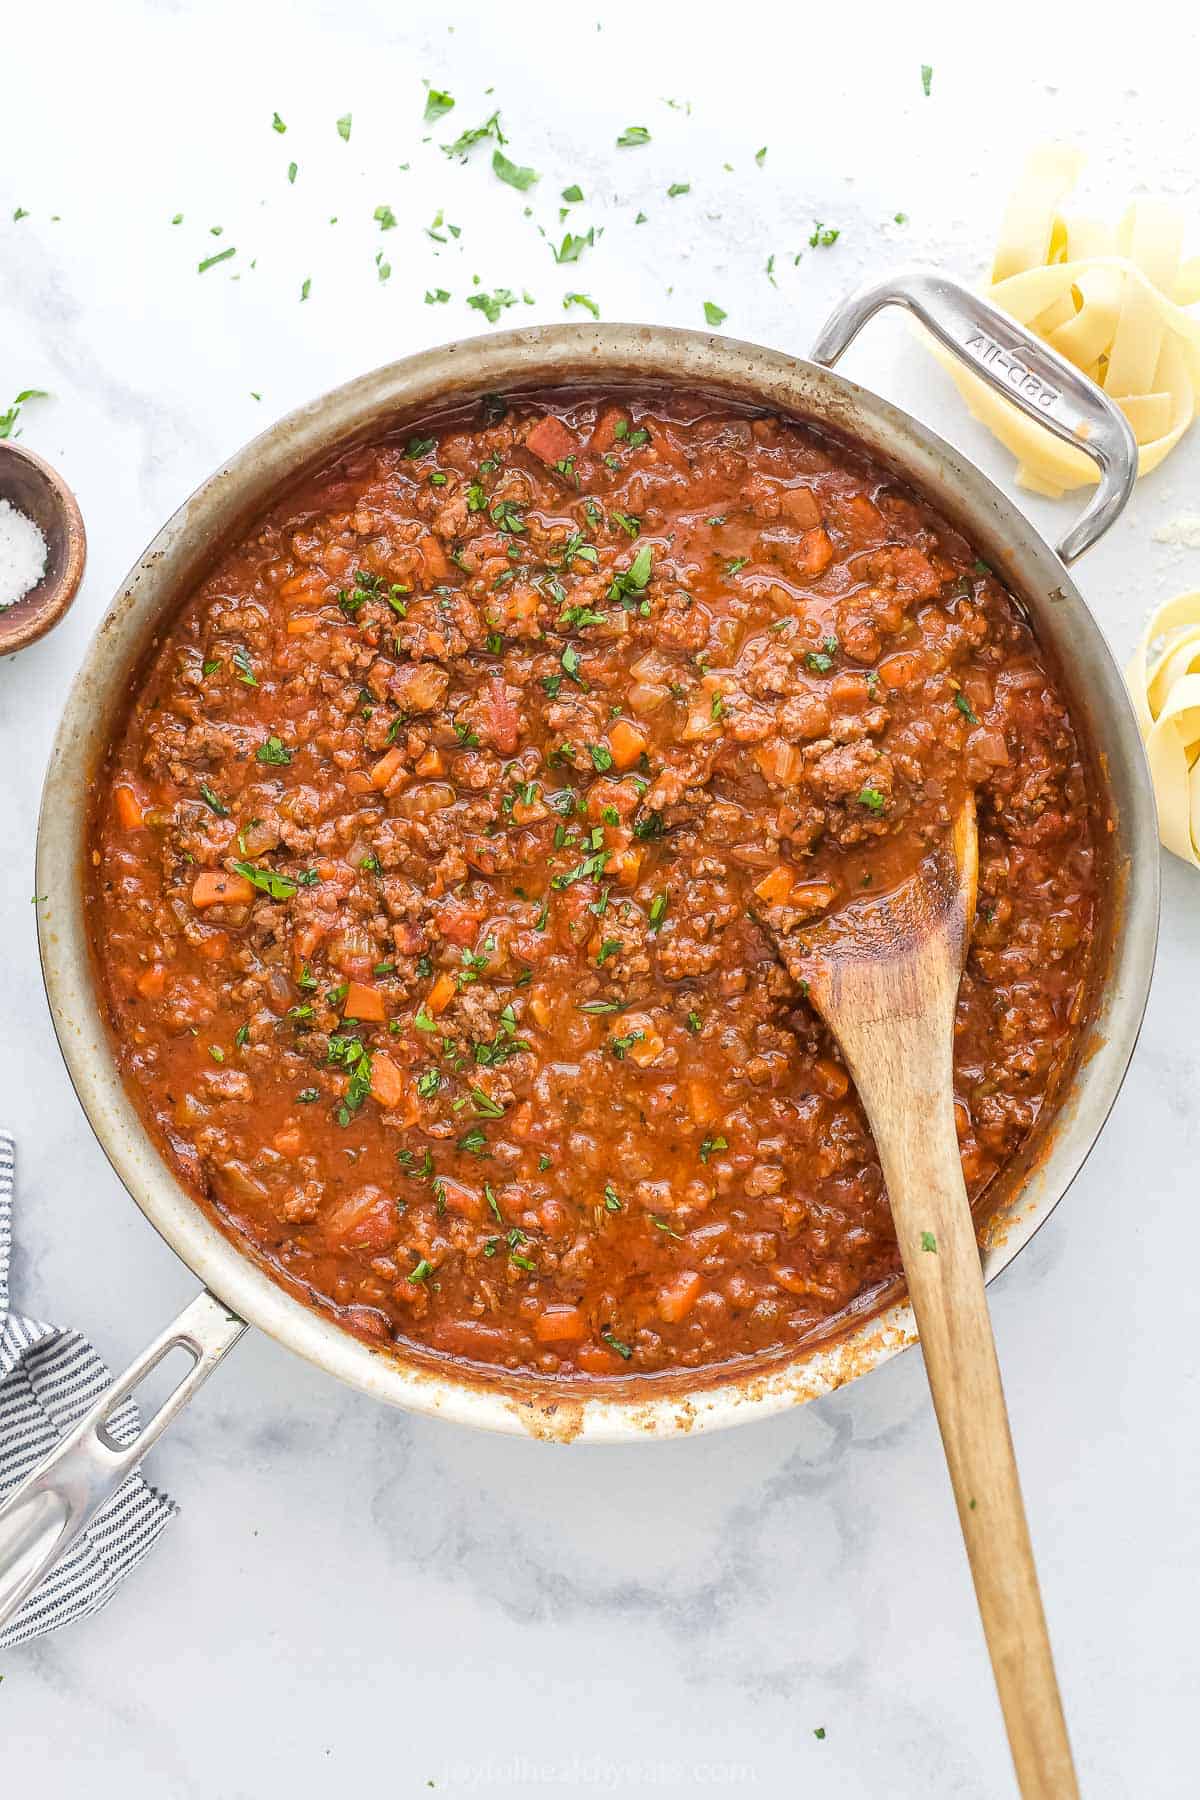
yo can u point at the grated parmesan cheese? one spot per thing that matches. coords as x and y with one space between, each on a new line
22 555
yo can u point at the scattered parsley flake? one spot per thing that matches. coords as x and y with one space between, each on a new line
928 1241
632 136
277 124
513 173
714 314
343 127
437 103
220 257
926 78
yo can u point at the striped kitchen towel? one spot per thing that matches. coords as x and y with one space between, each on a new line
48 1380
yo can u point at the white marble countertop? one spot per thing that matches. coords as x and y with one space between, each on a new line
360 1598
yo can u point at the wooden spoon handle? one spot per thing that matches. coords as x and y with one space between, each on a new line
920 1157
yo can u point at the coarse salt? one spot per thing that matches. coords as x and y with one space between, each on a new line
22 555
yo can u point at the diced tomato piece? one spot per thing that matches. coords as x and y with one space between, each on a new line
436 563
458 925
501 719
365 1220
551 440
151 981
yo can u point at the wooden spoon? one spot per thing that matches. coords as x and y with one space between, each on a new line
884 974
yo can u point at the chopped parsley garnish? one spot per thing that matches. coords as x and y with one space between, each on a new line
213 800
485 1106
650 825
279 887
436 296
506 516
822 236
626 523
570 663
422 1272
612 1202
926 78
694 1023
492 305
873 800
601 756
632 136
277 123
678 187
658 911
474 135
273 751
350 1054
473 1142
621 1046
573 245
210 262
710 1144
244 668
599 1006
343 127
307 1095
513 173
736 563
661 1225
964 707
714 314
584 300
614 1343
760 156
610 947
928 1241
437 103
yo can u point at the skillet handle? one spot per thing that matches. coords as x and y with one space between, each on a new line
1018 365
45 1513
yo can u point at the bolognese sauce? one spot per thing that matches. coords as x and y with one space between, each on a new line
438 861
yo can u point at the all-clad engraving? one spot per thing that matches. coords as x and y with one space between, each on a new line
986 350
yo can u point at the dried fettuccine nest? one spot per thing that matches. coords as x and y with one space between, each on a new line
1109 299
1164 679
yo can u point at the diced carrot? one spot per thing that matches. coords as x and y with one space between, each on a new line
461 1199
525 812
627 742
902 669
364 1002
560 1325
386 767
215 946
387 1083
216 887
551 440
436 563
130 816
151 981
432 763
830 1078
813 554
775 886
677 1297
440 994
596 1359
302 626
288 1140
625 865
307 582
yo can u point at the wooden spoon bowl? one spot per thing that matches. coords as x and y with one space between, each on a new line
38 491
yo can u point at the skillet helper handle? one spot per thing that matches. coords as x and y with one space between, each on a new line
45 1513
1018 365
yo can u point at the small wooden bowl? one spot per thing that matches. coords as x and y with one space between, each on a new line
35 489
